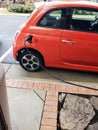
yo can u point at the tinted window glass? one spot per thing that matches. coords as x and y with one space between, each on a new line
51 19
85 20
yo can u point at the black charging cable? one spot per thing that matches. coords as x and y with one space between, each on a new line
29 40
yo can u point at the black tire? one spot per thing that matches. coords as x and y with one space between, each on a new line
31 61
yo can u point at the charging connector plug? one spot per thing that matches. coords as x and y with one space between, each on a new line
29 39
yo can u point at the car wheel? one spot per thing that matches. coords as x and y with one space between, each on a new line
31 61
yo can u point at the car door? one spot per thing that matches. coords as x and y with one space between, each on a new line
79 44
49 34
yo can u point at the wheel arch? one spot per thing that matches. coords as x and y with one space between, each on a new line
30 49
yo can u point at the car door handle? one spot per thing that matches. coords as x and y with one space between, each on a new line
68 41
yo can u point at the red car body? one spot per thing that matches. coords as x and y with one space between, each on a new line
71 44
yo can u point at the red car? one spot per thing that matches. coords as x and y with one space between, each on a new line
60 35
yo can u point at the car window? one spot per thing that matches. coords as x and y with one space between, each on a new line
51 19
85 20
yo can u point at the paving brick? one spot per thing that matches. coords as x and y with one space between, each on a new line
58 87
30 85
25 84
20 84
49 102
52 87
63 87
13 83
47 128
50 108
52 93
50 115
42 86
53 98
49 122
9 82
36 85
47 86
94 92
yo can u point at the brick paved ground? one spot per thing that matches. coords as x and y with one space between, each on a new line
49 117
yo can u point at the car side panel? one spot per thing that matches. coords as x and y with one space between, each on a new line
82 48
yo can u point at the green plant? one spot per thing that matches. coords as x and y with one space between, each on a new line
21 8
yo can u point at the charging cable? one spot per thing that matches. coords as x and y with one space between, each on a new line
29 39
